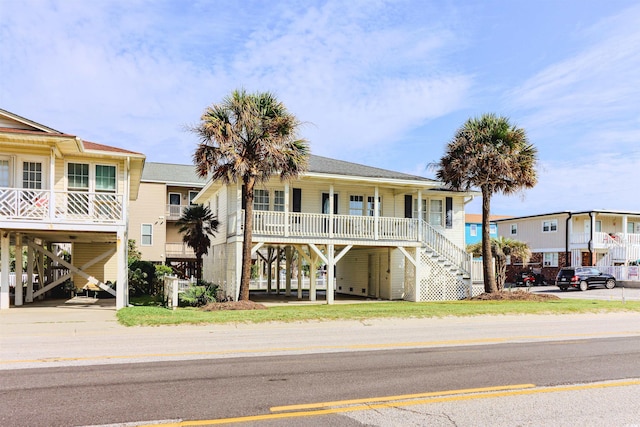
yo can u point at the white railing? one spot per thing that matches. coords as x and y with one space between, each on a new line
174 212
173 287
622 273
178 250
446 248
45 205
272 223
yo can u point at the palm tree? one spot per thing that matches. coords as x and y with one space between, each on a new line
501 247
249 138
196 224
490 153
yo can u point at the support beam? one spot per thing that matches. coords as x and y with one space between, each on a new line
300 279
18 291
408 256
330 270
75 269
287 267
30 259
122 280
256 247
318 252
4 269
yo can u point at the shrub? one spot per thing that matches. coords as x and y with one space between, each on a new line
141 277
201 294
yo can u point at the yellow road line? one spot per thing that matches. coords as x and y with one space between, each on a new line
375 346
399 397
457 397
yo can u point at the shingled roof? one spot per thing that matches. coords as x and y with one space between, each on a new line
167 172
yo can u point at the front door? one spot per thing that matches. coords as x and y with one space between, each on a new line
586 258
374 275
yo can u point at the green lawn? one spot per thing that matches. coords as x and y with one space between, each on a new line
151 316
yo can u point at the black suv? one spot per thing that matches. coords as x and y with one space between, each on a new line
583 277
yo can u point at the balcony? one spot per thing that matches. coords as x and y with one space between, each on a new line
174 212
60 206
178 250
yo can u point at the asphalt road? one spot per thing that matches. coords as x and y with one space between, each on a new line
233 388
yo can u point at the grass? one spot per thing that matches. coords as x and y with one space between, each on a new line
155 316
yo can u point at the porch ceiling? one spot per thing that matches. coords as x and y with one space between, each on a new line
67 237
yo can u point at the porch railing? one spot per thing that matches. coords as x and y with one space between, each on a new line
45 205
174 212
294 224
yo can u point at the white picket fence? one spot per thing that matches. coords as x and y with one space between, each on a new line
173 287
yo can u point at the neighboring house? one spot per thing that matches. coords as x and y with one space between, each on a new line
378 233
166 190
586 238
56 189
473 227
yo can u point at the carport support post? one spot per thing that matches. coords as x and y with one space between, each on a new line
312 276
122 286
29 297
330 268
299 274
288 257
4 269
18 253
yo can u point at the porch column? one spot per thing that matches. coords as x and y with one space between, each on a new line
52 179
419 215
312 275
122 285
287 226
625 224
330 270
278 252
376 215
330 213
29 296
18 254
4 270
299 275
288 259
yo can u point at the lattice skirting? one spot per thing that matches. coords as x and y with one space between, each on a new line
433 281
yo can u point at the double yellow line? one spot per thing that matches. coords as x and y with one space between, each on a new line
341 406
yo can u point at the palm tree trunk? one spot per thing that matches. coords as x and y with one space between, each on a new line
487 264
248 238
199 267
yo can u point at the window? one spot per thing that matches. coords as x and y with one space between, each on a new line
493 229
32 175
146 234
598 226
514 229
550 226
473 230
261 200
278 201
78 177
371 206
630 226
550 259
424 209
5 173
105 179
192 195
356 205
435 213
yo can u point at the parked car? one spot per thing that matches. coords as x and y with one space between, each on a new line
529 278
582 278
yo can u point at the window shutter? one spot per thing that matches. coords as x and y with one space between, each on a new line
297 200
408 206
449 210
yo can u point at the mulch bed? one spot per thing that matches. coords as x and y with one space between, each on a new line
234 305
518 295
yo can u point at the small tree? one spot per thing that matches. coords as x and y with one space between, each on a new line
502 247
196 225
133 254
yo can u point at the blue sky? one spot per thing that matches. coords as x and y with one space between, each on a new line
383 83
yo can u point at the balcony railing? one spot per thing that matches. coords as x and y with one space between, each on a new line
293 224
178 250
601 239
174 212
46 205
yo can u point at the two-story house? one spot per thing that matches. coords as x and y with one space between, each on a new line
585 238
56 189
375 232
166 190
473 227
